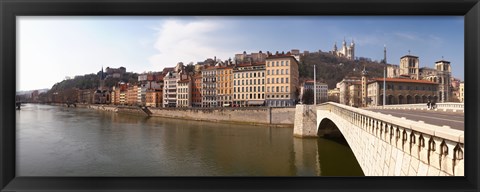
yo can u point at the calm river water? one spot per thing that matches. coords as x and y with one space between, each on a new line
60 141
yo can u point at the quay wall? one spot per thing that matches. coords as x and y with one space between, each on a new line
282 117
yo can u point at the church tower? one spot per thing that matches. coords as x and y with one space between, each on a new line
444 71
409 66
102 81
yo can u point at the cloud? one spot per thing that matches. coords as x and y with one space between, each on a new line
180 41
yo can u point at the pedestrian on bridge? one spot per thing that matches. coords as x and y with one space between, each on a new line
429 105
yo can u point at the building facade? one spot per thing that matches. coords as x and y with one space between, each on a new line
209 87
184 93
322 90
281 80
249 85
170 89
197 90
441 74
224 86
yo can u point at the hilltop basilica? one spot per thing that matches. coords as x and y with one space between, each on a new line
346 51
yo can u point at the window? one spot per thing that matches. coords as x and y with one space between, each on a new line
263 81
263 89
286 89
268 80
282 63
282 89
286 80
286 71
281 80
268 89
277 72
281 72
286 63
277 63
243 89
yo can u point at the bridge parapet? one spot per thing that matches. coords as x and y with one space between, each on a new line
421 149
453 107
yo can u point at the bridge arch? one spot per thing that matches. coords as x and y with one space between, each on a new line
387 145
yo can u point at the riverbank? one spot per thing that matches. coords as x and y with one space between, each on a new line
265 116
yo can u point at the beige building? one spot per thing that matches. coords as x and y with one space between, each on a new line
281 80
184 93
344 89
441 74
249 84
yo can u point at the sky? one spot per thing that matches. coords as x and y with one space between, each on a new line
51 48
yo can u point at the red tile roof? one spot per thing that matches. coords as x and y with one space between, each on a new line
399 80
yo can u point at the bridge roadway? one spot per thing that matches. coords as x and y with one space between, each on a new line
455 120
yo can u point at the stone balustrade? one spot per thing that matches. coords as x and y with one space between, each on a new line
388 145
451 107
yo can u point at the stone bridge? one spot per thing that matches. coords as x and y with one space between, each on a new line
385 145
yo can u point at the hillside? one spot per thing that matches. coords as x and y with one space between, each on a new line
332 69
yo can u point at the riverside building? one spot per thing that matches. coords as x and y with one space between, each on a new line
249 84
281 80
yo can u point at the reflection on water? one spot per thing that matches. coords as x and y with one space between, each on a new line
59 141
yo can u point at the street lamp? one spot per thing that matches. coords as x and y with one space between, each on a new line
384 73
314 85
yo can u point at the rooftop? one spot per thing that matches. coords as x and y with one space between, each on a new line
399 80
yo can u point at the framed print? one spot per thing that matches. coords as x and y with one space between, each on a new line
239 95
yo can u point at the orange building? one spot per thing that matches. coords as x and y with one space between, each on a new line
224 86
154 98
197 90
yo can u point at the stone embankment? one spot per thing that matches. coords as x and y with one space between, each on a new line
278 117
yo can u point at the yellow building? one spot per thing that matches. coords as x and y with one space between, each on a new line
224 77
281 80
153 98
249 84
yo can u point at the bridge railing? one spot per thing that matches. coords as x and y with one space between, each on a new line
441 147
455 107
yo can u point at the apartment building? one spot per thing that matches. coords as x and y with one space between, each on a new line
281 80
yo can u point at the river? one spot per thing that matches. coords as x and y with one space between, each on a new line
61 141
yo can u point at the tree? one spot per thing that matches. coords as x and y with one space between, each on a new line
307 97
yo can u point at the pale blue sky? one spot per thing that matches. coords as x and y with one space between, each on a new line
51 48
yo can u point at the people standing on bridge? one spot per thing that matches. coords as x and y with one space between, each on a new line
434 105
429 104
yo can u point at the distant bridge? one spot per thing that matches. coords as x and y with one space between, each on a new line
388 144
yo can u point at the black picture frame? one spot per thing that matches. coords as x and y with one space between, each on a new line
9 9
